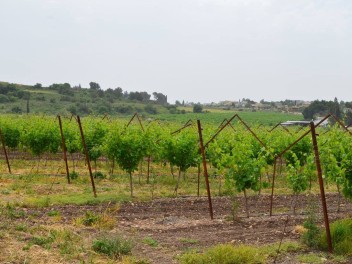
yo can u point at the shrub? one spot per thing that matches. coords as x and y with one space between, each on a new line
150 109
16 110
98 175
73 175
341 236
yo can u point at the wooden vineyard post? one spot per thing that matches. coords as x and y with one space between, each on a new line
205 168
64 150
87 156
5 151
321 185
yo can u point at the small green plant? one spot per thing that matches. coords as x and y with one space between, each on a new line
53 213
73 175
90 218
113 247
21 227
150 241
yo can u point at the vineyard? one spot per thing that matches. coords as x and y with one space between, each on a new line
243 174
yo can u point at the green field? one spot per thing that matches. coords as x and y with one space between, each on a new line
253 118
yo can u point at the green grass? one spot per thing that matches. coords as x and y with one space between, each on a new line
247 254
225 254
188 240
311 258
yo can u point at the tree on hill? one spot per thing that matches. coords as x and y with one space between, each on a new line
38 86
160 98
139 96
94 86
197 108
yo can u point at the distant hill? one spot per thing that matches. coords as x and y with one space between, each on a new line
64 99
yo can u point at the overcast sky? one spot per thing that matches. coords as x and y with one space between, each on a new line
192 50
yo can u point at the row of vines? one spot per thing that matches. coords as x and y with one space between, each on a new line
242 160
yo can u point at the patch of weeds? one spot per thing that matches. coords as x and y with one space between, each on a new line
99 175
311 258
13 213
39 203
43 241
225 254
150 241
312 234
98 220
53 213
73 175
289 247
106 189
21 227
89 219
188 240
92 202
5 192
66 242
115 247
133 260
341 236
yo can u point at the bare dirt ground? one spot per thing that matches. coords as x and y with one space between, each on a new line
182 224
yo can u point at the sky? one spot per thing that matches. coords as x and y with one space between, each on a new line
192 50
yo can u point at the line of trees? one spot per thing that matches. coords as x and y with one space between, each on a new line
116 93
342 110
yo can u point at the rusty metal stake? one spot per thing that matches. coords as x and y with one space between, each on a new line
5 151
198 180
180 129
87 157
220 129
251 131
205 168
148 169
272 188
64 150
321 184
139 120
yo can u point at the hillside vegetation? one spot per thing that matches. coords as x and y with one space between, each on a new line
64 99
